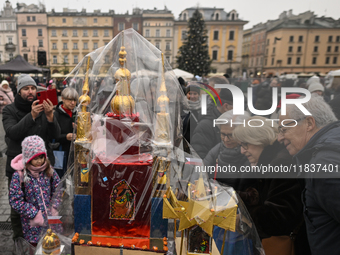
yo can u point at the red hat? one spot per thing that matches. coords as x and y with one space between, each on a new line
290 96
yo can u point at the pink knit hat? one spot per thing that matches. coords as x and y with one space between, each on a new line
32 146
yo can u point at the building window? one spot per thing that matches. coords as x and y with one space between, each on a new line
85 46
272 61
75 46
54 46
40 42
301 38
215 35
290 49
106 60
168 33
158 33
64 32
64 20
273 50
26 57
315 48
265 62
10 40
54 33
75 59
75 32
184 16
95 32
158 46
33 18
66 59
217 16
135 26
289 61
23 32
317 38
94 21
267 42
55 61
231 35
106 32
95 45
85 32
336 48
330 38
10 56
329 48
24 43
338 38
147 33
327 60
298 60
267 51
28 18
233 16
335 59
167 46
299 48
214 55
64 46
314 61
39 32
291 38
230 55
184 35
121 26
167 58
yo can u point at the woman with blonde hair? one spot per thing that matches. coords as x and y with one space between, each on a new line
274 204
6 95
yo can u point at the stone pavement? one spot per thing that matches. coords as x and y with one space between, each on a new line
6 242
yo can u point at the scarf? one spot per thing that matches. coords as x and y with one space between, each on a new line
231 156
35 171
22 105
69 112
194 105
6 90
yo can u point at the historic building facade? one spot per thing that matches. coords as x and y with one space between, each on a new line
74 34
225 33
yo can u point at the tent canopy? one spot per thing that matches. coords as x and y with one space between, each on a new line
185 75
20 65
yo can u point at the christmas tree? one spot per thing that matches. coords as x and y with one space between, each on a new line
193 55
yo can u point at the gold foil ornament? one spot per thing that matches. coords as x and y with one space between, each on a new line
51 243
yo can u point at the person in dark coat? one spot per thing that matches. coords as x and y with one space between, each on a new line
206 136
25 117
65 114
193 113
274 204
228 153
264 94
316 140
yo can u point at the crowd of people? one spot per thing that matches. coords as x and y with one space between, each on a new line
303 212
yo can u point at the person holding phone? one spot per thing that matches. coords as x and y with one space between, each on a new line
25 117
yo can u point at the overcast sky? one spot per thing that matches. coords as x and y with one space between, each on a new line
250 10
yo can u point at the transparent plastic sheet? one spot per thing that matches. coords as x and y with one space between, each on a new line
127 166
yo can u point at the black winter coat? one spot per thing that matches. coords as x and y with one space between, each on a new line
206 136
279 210
65 123
321 196
19 124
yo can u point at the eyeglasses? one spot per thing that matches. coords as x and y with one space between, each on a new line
229 136
244 145
283 130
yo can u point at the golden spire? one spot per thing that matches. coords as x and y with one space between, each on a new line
123 103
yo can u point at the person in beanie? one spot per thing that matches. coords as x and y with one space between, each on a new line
25 117
32 187
193 113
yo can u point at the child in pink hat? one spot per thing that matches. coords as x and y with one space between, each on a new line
32 187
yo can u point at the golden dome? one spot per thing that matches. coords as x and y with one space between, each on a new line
123 104
51 243
84 99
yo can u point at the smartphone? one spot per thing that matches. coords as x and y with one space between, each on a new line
50 94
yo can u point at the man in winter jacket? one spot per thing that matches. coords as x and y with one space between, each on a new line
206 136
315 143
25 117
